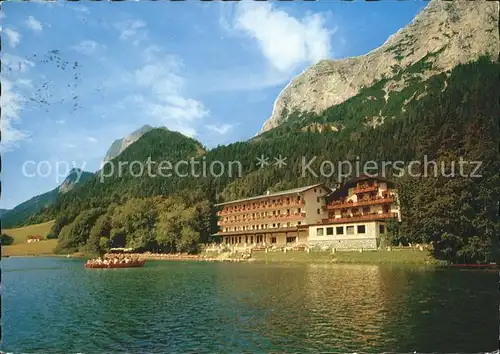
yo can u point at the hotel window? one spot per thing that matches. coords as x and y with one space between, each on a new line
329 231
251 239
298 222
288 224
350 230
314 190
274 225
366 210
339 230
361 229
298 198
319 211
279 225
290 239
239 239
381 229
299 210
246 239
273 239
288 211
317 199
319 231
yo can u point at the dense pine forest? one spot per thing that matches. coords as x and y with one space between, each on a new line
447 117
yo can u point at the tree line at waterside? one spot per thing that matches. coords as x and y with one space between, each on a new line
447 117
158 224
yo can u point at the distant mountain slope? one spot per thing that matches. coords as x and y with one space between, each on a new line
340 133
439 118
114 185
451 32
121 144
23 211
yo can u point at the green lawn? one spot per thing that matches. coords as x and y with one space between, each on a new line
20 234
20 247
396 256
41 248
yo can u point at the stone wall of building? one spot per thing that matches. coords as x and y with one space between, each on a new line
348 244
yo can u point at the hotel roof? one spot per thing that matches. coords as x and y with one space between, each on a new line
270 195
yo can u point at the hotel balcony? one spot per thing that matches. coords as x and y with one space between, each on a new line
269 206
266 218
371 201
365 189
363 217
268 230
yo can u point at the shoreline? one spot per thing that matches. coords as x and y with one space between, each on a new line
394 257
403 257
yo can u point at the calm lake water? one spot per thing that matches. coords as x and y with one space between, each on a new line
54 305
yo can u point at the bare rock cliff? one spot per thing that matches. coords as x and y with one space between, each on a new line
454 32
121 144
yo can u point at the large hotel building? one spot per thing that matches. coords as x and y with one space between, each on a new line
351 217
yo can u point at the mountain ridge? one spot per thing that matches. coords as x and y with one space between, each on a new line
119 145
23 211
459 32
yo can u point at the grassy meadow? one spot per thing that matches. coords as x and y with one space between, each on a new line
395 256
20 246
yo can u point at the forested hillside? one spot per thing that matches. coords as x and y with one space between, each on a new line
446 117
21 214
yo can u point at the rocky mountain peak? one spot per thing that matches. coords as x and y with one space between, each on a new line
452 32
121 144
74 177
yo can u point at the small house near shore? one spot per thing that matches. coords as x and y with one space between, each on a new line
34 238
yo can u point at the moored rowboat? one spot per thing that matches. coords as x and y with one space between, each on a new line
134 264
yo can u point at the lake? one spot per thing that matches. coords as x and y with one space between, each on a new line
56 305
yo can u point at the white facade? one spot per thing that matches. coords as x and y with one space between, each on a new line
364 235
275 219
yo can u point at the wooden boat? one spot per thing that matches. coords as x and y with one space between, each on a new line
134 264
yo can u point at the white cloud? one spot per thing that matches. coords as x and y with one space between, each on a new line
158 93
92 139
15 64
13 37
60 121
285 41
12 104
33 24
221 129
132 30
88 47
13 99
81 9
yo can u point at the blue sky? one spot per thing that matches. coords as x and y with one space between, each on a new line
78 75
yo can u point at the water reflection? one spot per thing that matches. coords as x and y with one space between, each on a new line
228 308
